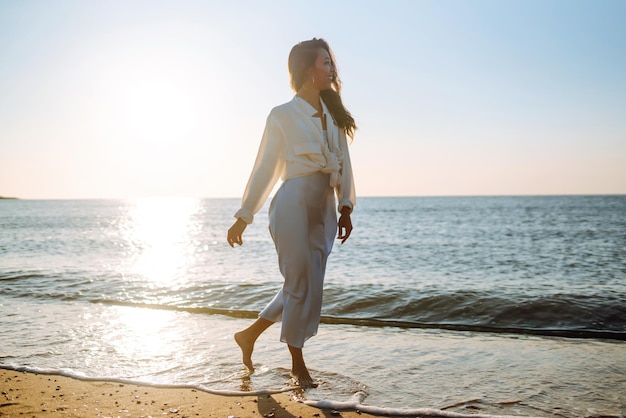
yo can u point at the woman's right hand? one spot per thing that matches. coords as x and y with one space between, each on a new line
235 232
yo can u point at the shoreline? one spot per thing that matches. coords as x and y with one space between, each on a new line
41 395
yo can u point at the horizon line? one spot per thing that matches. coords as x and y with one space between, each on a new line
359 197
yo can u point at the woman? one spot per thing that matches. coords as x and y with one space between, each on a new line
304 143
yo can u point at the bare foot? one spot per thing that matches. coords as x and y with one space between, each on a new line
303 378
245 340
247 346
298 369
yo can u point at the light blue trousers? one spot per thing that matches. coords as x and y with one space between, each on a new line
303 225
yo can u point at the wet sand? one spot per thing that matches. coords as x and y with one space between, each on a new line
38 395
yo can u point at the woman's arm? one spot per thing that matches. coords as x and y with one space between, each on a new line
346 193
269 164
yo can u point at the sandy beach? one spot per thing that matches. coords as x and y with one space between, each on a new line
37 395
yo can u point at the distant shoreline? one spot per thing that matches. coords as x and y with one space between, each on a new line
8 198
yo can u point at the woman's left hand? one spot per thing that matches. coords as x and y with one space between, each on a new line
345 225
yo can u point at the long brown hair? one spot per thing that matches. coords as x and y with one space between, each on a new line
301 58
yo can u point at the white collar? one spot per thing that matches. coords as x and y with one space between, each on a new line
308 109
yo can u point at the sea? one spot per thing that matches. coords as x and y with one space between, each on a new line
435 305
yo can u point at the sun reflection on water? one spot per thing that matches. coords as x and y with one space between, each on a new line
161 236
160 232
147 334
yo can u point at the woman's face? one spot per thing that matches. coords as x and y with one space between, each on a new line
322 71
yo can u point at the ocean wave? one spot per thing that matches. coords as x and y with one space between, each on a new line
580 316
389 322
589 314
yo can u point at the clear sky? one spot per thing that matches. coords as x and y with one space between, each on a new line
115 99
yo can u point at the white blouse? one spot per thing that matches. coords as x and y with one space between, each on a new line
293 146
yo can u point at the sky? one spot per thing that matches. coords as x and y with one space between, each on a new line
122 99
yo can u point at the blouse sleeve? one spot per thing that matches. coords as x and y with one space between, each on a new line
346 194
269 164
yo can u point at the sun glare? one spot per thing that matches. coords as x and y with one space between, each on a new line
155 112
161 231
148 101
